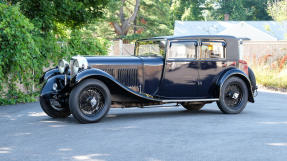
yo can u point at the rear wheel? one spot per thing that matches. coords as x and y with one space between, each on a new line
90 101
192 107
233 97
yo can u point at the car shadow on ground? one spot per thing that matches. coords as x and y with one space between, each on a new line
156 114
115 116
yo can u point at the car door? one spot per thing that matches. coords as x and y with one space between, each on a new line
212 60
181 70
152 55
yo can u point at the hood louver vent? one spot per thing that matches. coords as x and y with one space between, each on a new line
128 77
125 75
110 71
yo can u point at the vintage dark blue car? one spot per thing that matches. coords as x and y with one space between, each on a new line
189 70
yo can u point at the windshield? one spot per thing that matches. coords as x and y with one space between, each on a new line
150 48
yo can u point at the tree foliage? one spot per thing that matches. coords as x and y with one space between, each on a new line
239 9
71 13
25 50
157 17
16 46
154 19
187 10
278 10
125 17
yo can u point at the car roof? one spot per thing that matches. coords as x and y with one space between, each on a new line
231 48
193 37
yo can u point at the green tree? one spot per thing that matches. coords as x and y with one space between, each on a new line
154 19
17 45
258 9
133 19
239 9
278 9
187 10
72 13
25 50
121 15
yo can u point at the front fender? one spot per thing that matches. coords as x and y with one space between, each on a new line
62 87
88 73
238 73
110 81
48 74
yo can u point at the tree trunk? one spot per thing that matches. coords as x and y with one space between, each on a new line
122 29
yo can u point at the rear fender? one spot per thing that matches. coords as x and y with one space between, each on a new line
237 73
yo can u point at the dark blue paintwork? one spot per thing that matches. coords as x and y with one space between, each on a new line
105 77
161 78
47 89
152 70
48 74
113 60
180 79
208 75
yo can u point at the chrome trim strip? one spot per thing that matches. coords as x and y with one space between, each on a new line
192 100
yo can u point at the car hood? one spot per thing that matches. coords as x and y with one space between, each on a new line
94 61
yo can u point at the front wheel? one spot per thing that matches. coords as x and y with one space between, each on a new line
233 96
90 101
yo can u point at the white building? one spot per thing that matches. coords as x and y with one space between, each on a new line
253 30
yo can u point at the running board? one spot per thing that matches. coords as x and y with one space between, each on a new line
191 100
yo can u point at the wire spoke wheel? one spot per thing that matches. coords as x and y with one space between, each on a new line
234 96
91 101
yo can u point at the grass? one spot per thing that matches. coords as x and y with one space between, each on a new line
272 78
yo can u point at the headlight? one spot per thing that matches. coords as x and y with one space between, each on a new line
76 67
78 63
63 66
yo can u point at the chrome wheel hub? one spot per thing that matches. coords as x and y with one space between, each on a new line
235 95
93 102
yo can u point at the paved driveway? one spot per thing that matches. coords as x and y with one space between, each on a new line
169 133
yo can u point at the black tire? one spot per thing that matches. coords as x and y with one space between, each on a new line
52 111
90 101
252 79
192 107
233 96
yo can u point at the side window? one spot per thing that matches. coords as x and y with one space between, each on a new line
184 49
212 49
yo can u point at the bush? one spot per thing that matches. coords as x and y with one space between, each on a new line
25 50
19 55
82 42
